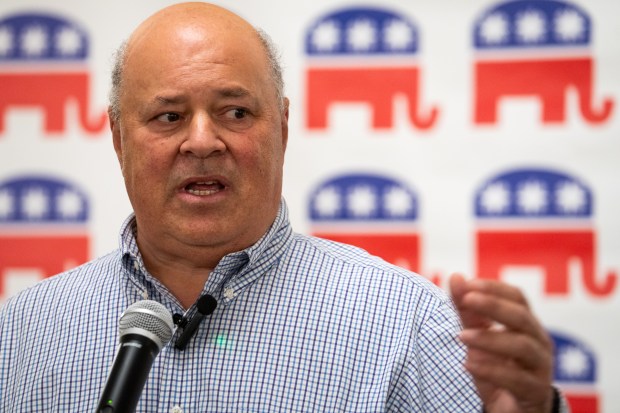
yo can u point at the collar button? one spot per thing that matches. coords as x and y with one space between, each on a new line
229 293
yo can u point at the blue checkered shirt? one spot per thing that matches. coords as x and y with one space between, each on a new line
302 325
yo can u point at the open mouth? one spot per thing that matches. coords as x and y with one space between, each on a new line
204 188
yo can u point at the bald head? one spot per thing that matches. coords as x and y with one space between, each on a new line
200 23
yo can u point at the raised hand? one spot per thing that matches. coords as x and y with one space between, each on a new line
509 353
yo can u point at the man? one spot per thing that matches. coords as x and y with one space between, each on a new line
199 124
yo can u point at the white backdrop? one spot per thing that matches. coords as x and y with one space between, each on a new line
549 194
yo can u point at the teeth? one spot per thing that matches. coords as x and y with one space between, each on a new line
203 188
202 192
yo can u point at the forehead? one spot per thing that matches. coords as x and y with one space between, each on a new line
187 50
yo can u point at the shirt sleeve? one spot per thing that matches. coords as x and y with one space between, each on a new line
431 376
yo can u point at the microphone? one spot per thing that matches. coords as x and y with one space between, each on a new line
144 329
206 305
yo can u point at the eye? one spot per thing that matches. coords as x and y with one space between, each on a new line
237 113
169 117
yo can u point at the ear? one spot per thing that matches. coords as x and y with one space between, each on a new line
285 124
116 137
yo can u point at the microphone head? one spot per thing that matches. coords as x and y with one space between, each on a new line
147 318
206 304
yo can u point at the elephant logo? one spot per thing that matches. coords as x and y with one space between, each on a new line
540 219
363 55
42 230
535 48
373 212
42 65
575 371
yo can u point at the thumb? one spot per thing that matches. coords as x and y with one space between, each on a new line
458 289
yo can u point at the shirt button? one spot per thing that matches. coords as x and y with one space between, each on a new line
136 266
229 293
176 409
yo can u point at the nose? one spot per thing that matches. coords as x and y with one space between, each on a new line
203 137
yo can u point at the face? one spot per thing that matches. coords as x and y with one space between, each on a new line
201 138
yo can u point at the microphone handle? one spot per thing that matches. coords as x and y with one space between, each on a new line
129 373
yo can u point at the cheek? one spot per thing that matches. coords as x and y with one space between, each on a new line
276 158
266 159
270 165
144 163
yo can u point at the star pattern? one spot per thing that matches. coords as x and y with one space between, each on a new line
68 41
37 200
535 193
495 198
532 197
40 37
531 26
569 25
325 37
69 204
362 35
35 205
362 31
6 203
398 202
573 362
494 29
327 202
6 41
362 201
532 23
363 197
398 35
34 41
570 197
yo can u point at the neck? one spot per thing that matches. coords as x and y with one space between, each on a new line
185 286
184 278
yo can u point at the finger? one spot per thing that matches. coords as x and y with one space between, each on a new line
514 316
523 349
526 386
458 289
498 289
479 356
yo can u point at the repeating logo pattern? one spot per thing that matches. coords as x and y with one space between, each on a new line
42 65
539 218
546 53
370 55
575 372
363 55
42 230
374 212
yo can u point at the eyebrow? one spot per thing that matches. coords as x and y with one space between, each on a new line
239 93
169 100
233 92
225 92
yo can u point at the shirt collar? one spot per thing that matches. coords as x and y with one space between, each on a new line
233 273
